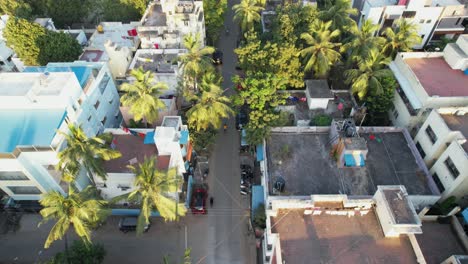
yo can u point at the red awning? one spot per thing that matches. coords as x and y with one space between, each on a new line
132 32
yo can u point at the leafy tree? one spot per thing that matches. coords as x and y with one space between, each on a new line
211 107
202 140
152 186
79 210
362 41
57 47
278 59
367 76
81 253
22 36
142 96
292 20
260 216
247 13
378 104
321 52
187 259
66 12
338 12
196 60
122 10
214 18
15 8
403 38
84 151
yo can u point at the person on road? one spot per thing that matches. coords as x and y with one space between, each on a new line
225 127
211 201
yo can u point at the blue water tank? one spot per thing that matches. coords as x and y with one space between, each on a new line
466 72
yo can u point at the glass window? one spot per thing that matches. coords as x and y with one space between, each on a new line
24 189
421 21
96 105
451 167
395 113
429 21
420 149
430 133
13 176
409 14
437 181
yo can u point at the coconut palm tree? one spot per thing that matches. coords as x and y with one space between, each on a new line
82 150
142 96
212 106
152 186
362 41
321 52
366 76
247 13
403 38
338 12
196 60
80 210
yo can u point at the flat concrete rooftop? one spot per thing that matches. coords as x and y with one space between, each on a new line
155 17
310 169
458 123
437 78
337 239
433 248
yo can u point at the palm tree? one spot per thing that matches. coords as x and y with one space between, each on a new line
79 209
338 12
85 151
366 76
403 38
152 186
196 60
321 53
142 96
212 105
247 13
362 41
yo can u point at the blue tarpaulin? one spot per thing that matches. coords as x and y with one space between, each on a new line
243 135
349 160
149 138
257 198
259 152
184 135
465 215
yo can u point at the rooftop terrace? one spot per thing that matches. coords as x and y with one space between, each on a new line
309 169
337 239
160 61
115 32
437 78
458 123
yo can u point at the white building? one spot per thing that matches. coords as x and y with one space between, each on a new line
442 143
435 19
6 53
169 144
430 80
114 43
166 22
34 104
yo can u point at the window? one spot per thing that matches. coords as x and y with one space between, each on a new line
89 118
96 105
408 14
428 21
430 133
437 181
420 149
111 101
80 101
421 21
458 21
24 190
186 23
104 121
451 167
13 176
395 113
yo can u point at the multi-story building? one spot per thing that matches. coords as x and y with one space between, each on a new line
442 143
169 144
37 103
430 80
435 19
166 22
114 43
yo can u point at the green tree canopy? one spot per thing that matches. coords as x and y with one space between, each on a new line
368 74
123 10
338 13
402 38
82 150
152 186
214 18
142 96
22 36
378 104
320 54
58 47
79 209
81 252
211 106
66 12
362 41
15 8
247 13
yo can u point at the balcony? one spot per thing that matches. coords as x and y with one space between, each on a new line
103 84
